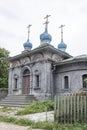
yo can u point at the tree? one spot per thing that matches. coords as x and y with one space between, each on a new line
4 68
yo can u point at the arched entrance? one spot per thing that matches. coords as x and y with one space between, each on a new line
26 82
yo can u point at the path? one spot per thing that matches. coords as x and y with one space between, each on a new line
8 126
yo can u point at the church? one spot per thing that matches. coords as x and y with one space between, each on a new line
46 71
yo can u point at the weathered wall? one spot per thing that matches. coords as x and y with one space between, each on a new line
38 64
74 72
3 93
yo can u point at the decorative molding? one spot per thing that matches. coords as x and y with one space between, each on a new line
15 64
16 76
25 61
56 57
37 57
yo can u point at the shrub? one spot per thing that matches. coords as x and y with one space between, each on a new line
35 107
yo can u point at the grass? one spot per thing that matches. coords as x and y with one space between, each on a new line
47 125
35 107
6 109
46 105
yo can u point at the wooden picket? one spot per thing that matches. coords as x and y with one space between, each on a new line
71 108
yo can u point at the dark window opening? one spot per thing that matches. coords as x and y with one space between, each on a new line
66 82
26 72
15 83
84 78
37 80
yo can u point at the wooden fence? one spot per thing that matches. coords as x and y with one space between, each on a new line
71 108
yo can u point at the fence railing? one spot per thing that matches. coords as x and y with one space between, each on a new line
71 108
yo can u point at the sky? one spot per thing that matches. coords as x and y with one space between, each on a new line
16 15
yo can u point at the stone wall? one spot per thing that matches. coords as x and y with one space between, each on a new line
3 92
74 72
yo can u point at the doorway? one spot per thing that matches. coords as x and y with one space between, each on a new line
26 82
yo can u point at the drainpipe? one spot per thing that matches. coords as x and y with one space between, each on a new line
53 68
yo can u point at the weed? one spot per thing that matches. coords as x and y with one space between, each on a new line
47 125
36 107
6 109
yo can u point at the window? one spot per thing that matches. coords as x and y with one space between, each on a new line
15 83
84 79
66 82
37 80
26 72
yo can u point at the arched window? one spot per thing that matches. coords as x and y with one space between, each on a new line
26 72
84 79
15 81
66 82
37 79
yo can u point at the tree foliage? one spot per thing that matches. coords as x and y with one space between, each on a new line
3 68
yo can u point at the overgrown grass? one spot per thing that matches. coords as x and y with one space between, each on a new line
47 125
6 109
23 122
46 105
35 107
26 122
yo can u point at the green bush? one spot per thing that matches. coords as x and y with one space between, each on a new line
35 107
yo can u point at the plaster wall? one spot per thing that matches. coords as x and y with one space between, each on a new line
74 73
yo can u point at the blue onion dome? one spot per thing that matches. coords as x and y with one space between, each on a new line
62 46
27 45
45 37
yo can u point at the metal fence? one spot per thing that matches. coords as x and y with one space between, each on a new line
71 108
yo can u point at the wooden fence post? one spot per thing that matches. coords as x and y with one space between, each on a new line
71 108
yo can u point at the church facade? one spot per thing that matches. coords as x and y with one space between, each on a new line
46 70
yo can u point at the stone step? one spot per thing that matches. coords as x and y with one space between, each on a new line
13 105
19 97
17 100
24 103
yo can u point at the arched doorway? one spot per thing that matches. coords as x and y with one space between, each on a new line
26 82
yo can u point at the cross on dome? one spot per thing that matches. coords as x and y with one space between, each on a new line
61 32
28 45
62 46
46 23
28 31
45 37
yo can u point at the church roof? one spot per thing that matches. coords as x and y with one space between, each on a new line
76 59
45 47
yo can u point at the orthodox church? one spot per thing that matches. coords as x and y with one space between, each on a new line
46 70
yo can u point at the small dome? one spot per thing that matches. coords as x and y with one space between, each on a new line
27 45
45 37
62 46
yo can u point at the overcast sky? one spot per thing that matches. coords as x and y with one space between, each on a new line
16 15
